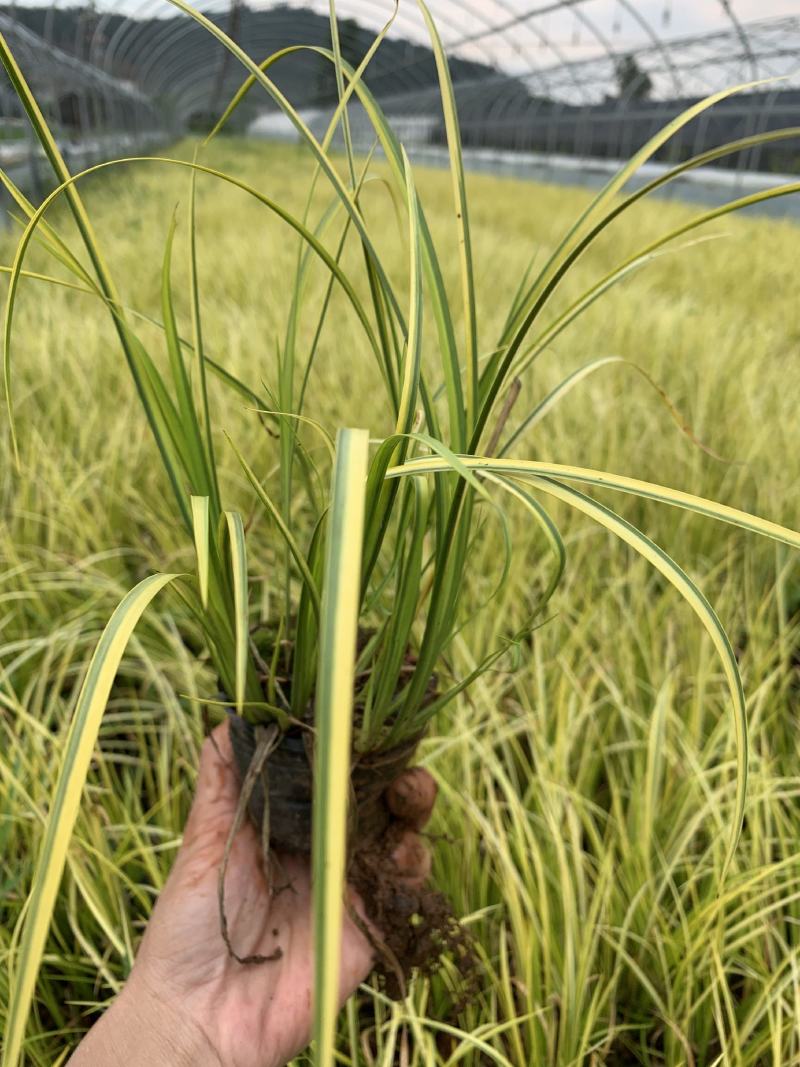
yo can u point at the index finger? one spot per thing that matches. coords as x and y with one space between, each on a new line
411 796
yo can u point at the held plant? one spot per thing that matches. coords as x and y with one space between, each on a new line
340 688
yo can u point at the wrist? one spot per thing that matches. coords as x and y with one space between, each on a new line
142 1029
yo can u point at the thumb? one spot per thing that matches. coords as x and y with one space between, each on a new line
216 797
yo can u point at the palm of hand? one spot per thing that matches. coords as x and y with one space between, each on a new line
251 1015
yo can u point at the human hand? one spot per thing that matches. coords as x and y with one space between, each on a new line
187 1001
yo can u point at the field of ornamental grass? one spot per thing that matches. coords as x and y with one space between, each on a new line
588 779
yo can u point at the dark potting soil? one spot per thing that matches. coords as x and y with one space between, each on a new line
418 926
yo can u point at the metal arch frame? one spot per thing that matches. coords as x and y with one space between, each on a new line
180 26
168 55
520 20
553 47
775 38
156 77
138 54
186 26
728 9
595 69
657 41
52 57
525 18
445 19
107 117
540 36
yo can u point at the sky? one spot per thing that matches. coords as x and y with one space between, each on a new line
614 24
687 16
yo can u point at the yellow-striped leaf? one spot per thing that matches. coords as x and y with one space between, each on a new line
411 366
528 468
63 811
334 714
200 527
453 132
238 551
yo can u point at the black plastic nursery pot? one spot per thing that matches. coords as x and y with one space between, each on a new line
291 788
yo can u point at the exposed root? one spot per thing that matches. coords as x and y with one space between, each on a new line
267 739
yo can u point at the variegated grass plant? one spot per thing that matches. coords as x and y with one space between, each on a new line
387 549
